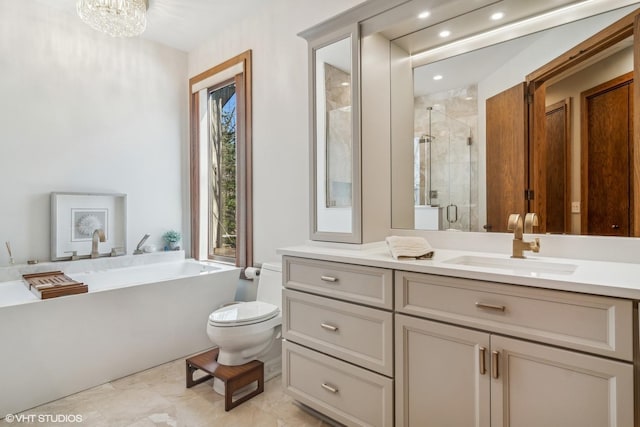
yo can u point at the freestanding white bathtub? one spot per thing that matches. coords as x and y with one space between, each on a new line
132 318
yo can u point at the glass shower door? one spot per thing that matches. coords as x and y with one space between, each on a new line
450 172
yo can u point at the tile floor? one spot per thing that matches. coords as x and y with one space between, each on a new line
158 397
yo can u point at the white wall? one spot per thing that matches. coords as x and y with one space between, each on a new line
81 111
280 113
402 130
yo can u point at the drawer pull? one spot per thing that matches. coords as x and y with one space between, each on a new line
329 279
329 327
482 353
495 355
490 306
329 388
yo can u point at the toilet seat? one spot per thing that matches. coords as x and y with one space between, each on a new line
243 313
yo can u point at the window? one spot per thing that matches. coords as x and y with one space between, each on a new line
222 174
221 219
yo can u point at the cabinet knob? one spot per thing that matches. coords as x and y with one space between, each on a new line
615 227
482 353
493 307
495 367
329 279
329 388
329 327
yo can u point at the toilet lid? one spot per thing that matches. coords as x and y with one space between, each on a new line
243 313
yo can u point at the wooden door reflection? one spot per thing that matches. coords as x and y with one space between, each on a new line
607 126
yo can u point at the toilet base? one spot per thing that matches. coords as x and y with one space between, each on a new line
272 368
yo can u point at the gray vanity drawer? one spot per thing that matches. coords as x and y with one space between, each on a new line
344 392
354 283
357 334
590 323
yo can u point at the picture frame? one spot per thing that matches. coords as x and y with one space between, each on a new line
74 218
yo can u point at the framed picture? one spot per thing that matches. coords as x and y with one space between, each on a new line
85 221
74 218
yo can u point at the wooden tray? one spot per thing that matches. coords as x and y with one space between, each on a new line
51 284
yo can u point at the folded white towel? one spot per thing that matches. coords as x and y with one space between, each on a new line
403 247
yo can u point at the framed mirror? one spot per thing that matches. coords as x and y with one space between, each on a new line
442 157
335 133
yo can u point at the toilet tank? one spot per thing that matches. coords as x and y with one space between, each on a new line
270 284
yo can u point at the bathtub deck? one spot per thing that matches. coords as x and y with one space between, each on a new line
15 293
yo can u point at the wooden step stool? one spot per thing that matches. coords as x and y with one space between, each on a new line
234 377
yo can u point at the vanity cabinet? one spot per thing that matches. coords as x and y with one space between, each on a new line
453 375
372 346
448 375
588 323
338 329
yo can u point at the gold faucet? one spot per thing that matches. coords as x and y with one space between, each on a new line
515 225
530 221
98 234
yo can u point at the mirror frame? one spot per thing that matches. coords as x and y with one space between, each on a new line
355 236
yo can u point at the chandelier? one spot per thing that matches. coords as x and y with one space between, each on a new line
118 18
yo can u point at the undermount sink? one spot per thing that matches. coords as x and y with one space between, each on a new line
520 266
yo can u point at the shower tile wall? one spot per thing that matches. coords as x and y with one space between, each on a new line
338 127
461 106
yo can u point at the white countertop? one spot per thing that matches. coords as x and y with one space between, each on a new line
614 279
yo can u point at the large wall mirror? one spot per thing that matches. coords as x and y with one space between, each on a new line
451 112
336 138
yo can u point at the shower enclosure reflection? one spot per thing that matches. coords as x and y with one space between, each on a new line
445 162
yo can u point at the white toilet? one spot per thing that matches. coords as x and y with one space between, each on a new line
250 330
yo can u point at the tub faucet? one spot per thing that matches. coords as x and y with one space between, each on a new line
98 235
138 250
519 245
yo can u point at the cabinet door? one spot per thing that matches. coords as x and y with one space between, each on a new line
335 136
441 379
535 385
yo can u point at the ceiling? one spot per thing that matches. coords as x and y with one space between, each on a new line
468 69
184 24
463 63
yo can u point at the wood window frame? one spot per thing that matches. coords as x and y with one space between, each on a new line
244 222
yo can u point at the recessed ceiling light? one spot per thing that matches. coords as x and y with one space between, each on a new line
424 15
497 16
437 77
469 98
445 33
344 84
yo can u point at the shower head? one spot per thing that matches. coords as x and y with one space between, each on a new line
425 138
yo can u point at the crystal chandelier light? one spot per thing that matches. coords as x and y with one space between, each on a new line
118 18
